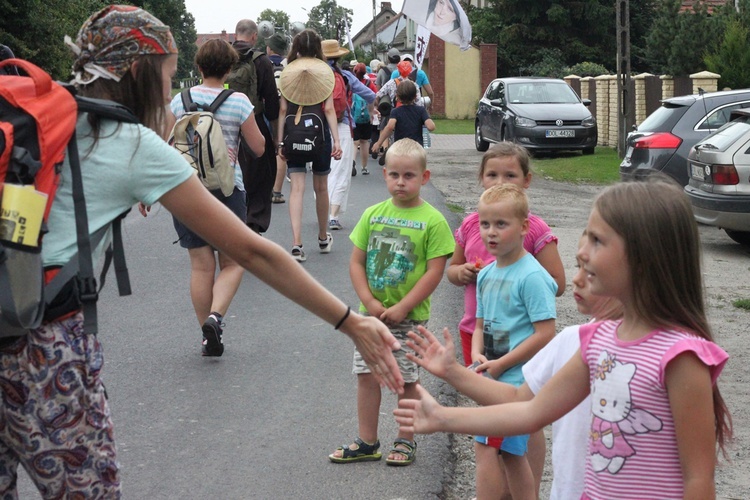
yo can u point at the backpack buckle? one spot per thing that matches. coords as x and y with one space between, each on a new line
87 291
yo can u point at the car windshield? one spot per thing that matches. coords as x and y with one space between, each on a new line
725 136
541 93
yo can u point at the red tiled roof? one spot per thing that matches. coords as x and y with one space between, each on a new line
687 5
203 37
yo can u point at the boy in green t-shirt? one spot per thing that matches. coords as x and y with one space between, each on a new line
401 246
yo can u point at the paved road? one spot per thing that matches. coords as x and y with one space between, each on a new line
259 421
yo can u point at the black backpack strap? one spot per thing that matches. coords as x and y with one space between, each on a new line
81 266
187 101
106 109
219 100
86 280
116 252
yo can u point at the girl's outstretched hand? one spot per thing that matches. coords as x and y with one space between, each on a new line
430 354
420 416
376 344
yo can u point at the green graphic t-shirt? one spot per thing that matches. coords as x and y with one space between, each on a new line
398 243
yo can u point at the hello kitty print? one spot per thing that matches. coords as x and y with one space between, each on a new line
632 444
613 415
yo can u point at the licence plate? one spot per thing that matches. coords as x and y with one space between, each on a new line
697 172
560 133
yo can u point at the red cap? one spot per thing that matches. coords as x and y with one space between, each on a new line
404 68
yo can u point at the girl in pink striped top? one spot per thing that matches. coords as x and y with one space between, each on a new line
657 415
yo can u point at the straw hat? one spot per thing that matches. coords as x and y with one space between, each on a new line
332 50
306 81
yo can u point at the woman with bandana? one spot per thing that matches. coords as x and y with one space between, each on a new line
55 419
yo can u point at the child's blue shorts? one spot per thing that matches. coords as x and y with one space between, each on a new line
515 445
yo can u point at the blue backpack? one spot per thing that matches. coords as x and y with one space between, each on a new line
359 110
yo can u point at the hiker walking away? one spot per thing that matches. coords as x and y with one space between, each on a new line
342 170
211 293
386 70
362 114
419 77
307 85
55 417
276 49
253 75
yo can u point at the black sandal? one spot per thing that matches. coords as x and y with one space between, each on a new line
363 452
410 453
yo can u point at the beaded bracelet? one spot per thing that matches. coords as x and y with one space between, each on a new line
341 321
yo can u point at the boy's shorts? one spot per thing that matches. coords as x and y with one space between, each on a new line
320 165
409 369
235 202
515 445
362 132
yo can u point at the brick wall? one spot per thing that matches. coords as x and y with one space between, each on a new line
436 50
604 105
488 62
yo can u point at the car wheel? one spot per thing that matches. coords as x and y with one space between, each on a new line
480 143
587 151
741 237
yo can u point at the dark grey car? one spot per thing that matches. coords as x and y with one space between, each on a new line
662 142
542 114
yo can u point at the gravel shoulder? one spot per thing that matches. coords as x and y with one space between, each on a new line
565 207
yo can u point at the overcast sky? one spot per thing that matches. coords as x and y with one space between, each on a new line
212 16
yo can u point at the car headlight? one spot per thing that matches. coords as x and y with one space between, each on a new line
520 121
588 122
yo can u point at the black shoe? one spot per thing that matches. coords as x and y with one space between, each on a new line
381 160
354 169
212 344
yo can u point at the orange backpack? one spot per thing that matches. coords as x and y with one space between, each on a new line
342 94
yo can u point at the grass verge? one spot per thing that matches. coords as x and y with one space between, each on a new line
599 168
453 127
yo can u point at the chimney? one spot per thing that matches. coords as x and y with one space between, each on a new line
223 34
385 6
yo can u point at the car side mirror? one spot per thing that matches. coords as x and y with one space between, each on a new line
499 102
586 102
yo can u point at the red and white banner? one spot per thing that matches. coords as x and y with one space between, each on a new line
445 19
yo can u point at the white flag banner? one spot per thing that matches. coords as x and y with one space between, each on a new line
349 35
445 19
420 45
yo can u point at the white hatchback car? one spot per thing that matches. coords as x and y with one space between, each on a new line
719 178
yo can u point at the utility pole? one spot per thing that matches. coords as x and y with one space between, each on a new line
374 32
623 73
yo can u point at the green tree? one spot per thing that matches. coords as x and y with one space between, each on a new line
732 58
182 23
279 18
678 41
328 19
553 33
34 30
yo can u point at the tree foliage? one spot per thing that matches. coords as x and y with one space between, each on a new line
557 34
678 41
560 32
34 29
278 18
182 23
732 58
329 19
